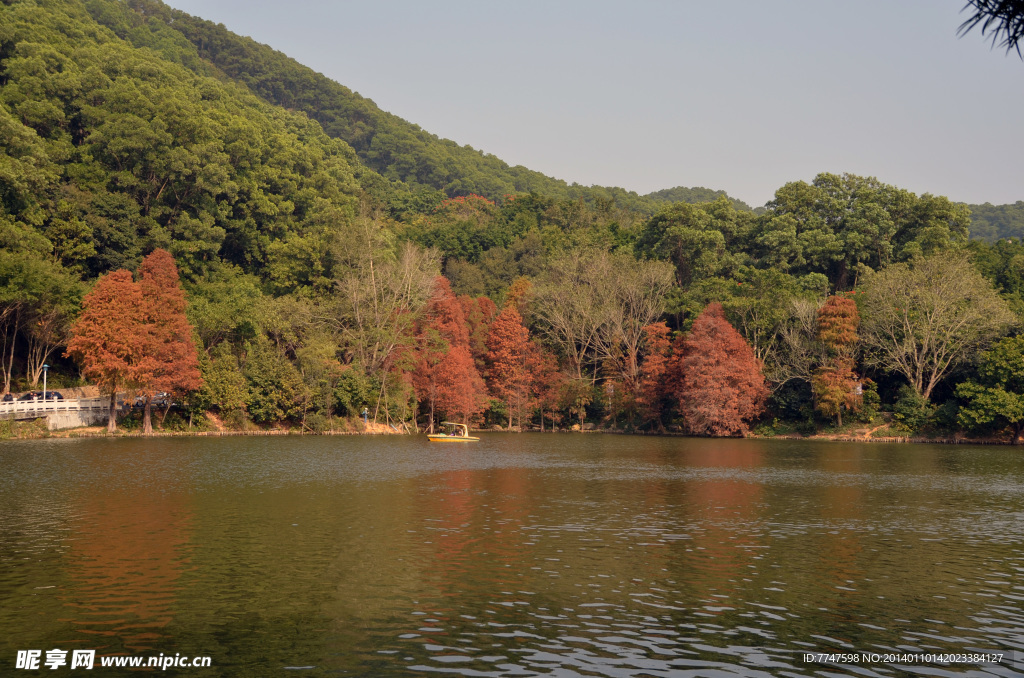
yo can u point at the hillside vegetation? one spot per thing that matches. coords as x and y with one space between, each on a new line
398 150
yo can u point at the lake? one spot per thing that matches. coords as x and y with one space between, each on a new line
532 554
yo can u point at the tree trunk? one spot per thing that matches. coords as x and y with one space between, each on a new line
147 416
167 409
13 338
112 419
839 415
41 344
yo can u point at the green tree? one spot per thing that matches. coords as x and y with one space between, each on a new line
37 302
992 223
1002 262
276 391
840 225
700 240
995 399
224 386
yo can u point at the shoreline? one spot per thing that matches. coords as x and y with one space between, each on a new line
381 430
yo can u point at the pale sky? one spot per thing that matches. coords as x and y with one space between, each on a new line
740 95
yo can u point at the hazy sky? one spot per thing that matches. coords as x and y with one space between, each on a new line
735 95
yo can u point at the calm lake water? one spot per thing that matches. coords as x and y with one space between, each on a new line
536 554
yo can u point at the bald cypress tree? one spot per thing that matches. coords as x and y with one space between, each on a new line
171 362
445 377
722 387
108 340
508 361
835 382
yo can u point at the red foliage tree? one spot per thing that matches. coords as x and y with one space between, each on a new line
108 340
473 208
546 381
445 377
135 336
722 387
838 321
171 362
835 383
508 361
653 387
445 314
460 391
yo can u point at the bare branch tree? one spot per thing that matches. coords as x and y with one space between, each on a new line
634 297
380 291
923 319
798 350
571 307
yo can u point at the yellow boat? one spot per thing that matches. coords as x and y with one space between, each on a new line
457 433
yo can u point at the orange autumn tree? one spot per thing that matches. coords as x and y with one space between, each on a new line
835 382
546 382
461 394
519 293
508 361
135 336
653 387
171 361
838 321
445 377
108 338
722 388
834 386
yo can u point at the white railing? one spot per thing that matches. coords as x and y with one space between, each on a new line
30 409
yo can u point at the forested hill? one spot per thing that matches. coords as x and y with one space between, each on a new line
997 222
693 196
108 151
397 149
423 164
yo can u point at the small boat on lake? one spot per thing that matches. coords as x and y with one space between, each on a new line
453 433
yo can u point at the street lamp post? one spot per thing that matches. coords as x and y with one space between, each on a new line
45 369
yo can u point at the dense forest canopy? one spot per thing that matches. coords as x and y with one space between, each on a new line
693 195
337 258
992 223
